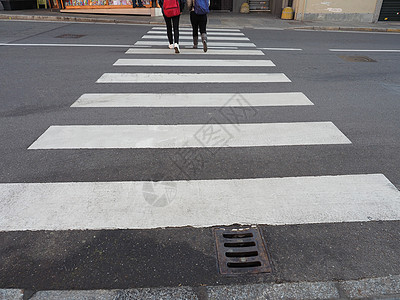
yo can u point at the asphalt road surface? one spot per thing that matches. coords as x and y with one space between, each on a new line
116 166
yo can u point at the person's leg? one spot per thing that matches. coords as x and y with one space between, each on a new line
140 3
195 27
169 29
175 22
203 24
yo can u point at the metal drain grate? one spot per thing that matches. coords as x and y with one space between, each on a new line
70 36
357 58
241 251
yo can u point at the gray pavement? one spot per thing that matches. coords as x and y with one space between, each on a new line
336 261
216 19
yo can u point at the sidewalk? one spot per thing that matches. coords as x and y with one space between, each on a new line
368 289
260 20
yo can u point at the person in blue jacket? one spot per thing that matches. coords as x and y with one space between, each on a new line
198 22
173 22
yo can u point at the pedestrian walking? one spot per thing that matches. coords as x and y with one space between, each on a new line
138 4
198 17
171 10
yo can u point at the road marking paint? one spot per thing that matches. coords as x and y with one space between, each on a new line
196 52
198 203
192 77
188 135
213 47
194 63
142 47
281 49
190 33
208 29
364 50
191 100
226 44
269 28
209 38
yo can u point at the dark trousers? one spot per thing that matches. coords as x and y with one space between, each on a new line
174 21
198 22
140 4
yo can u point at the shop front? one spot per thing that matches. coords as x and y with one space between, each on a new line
215 5
76 4
272 6
147 7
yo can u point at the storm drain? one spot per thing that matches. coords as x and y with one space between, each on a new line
241 251
70 36
356 58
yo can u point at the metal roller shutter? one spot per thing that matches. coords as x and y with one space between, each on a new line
390 10
259 5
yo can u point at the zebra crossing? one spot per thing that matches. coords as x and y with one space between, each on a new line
193 63
192 77
212 45
193 51
110 205
178 136
200 203
188 37
180 100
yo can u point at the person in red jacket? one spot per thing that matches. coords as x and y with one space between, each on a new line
173 22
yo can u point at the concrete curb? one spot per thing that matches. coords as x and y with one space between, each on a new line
63 18
11 294
375 288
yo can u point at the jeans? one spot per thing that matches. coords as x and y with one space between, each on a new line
174 21
198 21
140 4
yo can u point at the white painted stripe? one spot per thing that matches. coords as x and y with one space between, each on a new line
212 47
142 47
281 49
209 38
208 29
192 78
194 63
190 33
66 45
191 100
196 52
223 44
198 203
184 136
269 28
365 50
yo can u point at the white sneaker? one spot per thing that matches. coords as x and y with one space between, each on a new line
171 46
177 50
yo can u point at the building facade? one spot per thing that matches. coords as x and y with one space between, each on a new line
369 11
